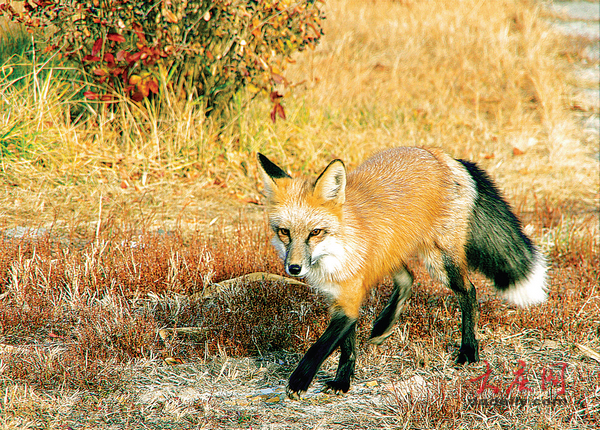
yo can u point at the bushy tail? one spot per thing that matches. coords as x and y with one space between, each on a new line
498 248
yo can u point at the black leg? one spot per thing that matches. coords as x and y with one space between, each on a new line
382 328
345 371
467 298
339 328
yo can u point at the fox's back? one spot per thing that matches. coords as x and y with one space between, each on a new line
395 198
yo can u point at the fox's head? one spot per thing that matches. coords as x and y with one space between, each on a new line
306 217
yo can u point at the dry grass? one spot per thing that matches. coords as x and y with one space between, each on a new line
476 78
483 80
79 341
134 211
103 302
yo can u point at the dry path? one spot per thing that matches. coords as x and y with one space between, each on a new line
580 21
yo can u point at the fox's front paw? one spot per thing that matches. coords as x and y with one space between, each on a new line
297 385
337 387
293 395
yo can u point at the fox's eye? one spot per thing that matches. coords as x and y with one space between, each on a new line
315 232
283 232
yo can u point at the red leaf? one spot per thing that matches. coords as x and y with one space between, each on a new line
122 55
115 37
117 71
109 59
139 31
91 58
97 46
273 115
132 58
99 72
143 87
106 98
153 85
137 96
90 95
280 111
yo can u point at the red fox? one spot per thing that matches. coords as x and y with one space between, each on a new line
344 232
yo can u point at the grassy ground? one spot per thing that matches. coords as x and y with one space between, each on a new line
134 215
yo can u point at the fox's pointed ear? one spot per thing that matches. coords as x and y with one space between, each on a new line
331 183
270 172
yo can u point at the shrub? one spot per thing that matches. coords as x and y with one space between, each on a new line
208 48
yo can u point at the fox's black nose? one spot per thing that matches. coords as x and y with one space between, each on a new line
294 269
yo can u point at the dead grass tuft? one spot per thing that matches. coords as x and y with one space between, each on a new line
256 319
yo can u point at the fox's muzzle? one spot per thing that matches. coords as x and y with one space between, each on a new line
297 259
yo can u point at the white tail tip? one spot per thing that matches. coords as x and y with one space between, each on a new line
531 290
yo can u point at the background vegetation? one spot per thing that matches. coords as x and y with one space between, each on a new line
115 218
207 50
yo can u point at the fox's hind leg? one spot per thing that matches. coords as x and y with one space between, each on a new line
443 266
382 328
458 282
